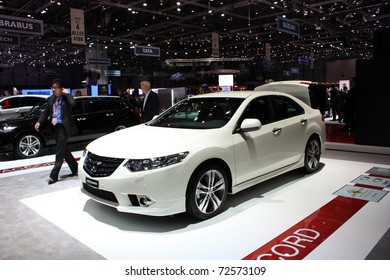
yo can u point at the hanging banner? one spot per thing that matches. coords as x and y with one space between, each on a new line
146 51
267 51
215 44
77 28
288 26
21 25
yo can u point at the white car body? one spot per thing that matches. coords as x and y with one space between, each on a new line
247 158
24 103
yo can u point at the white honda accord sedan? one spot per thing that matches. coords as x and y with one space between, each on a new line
195 153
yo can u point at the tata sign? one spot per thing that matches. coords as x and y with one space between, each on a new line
146 51
21 25
288 26
10 39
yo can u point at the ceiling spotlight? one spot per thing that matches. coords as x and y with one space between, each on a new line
145 4
178 3
178 9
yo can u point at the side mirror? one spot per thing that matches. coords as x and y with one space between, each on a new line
250 125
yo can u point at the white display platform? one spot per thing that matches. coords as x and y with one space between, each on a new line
253 218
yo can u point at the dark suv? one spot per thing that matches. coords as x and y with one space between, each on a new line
93 116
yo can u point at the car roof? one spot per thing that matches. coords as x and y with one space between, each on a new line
238 94
27 95
97 97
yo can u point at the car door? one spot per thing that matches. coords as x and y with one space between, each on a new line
116 114
9 107
290 118
258 152
91 122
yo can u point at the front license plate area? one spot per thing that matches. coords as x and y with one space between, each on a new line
92 183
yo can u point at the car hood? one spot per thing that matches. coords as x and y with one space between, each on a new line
143 141
17 120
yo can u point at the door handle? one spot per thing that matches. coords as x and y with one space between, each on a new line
81 119
109 115
303 121
276 131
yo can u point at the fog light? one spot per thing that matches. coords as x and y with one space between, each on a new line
144 201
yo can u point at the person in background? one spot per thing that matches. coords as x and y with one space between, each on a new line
151 106
118 92
58 110
350 106
334 95
78 93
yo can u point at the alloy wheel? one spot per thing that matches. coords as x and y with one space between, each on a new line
29 146
210 191
313 154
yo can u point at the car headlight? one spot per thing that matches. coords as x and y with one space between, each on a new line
136 165
7 128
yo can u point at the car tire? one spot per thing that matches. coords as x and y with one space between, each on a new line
119 127
206 193
28 146
312 155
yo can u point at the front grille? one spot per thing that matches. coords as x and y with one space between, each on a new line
106 195
97 166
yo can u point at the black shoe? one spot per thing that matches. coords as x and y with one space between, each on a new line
51 181
69 175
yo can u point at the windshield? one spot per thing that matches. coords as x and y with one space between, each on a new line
36 110
199 113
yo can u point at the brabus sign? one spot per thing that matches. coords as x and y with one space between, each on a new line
21 25
9 39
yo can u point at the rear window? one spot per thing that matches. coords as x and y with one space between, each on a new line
285 108
10 103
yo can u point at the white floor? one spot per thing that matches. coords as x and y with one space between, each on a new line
253 218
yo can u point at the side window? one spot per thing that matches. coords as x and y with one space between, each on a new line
31 101
10 103
259 109
285 108
113 105
78 108
94 106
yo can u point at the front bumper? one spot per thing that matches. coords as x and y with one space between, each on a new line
165 188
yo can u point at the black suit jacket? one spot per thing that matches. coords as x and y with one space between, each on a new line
66 112
152 107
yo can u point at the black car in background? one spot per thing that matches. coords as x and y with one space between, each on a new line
93 116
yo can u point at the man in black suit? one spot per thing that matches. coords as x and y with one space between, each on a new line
151 106
58 110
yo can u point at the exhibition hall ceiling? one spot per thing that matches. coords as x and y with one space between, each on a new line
182 29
